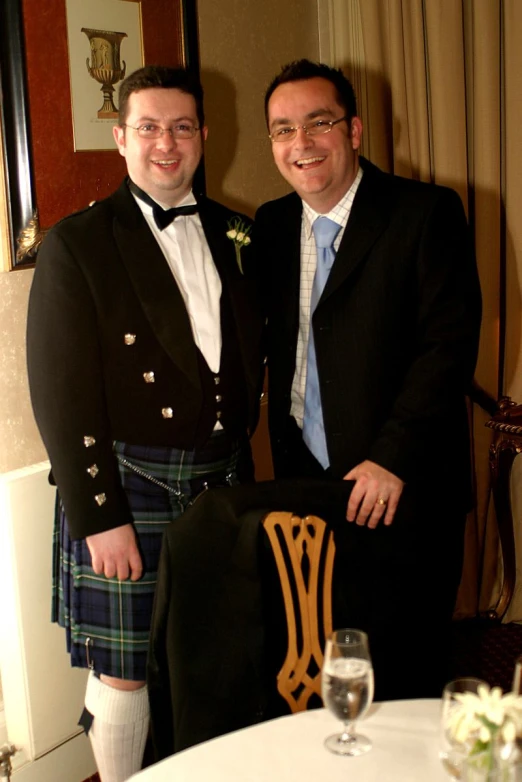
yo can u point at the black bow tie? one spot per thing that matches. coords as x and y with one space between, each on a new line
162 217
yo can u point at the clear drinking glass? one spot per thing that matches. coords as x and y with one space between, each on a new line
451 752
347 686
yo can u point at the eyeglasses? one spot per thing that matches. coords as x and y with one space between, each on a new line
150 131
288 132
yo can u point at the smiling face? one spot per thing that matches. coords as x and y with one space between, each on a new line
320 168
163 167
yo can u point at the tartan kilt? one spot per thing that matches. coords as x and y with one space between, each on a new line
107 621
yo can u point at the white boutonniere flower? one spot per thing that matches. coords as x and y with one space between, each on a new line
238 232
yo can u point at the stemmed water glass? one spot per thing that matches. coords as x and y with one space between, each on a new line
347 686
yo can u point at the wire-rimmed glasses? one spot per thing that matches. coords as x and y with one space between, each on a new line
316 128
148 130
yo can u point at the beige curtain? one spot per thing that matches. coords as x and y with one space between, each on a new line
439 89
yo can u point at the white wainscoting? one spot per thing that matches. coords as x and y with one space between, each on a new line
43 695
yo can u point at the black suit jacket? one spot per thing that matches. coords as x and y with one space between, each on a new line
105 310
396 331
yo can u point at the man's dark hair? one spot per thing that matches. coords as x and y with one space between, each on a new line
166 78
301 70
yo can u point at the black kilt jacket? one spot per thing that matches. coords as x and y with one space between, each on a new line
104 313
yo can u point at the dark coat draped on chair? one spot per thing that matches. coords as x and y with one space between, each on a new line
212 662
207 672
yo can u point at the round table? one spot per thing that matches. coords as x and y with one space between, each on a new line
405 749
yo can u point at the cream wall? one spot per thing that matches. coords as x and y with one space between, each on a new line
20 443
242 44
242 47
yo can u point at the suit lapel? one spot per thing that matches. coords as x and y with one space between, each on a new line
221 247
153 283
369 217
287 267
215 226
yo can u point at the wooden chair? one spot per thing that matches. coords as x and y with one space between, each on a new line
303 550
507 444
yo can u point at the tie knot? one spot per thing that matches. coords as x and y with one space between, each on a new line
164 217
325 231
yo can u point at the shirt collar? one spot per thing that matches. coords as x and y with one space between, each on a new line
339 213
188 200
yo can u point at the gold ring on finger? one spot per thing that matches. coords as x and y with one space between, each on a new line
381 501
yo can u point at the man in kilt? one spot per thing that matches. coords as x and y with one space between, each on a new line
144 367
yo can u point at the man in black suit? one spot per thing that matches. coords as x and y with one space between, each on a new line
144 367
373 325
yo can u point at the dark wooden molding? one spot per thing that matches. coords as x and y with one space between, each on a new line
16 132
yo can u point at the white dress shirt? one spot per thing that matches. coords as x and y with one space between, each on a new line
339 214
187 252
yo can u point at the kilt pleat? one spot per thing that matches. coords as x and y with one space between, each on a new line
107 621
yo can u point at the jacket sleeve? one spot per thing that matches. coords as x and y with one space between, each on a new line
67 392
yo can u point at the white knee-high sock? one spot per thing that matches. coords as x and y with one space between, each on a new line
119 730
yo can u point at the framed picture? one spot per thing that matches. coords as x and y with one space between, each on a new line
105 45
49 172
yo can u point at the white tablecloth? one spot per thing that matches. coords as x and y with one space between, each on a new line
405 749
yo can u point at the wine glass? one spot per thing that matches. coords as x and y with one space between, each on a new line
347 686
452 752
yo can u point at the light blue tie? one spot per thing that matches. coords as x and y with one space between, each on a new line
325 232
